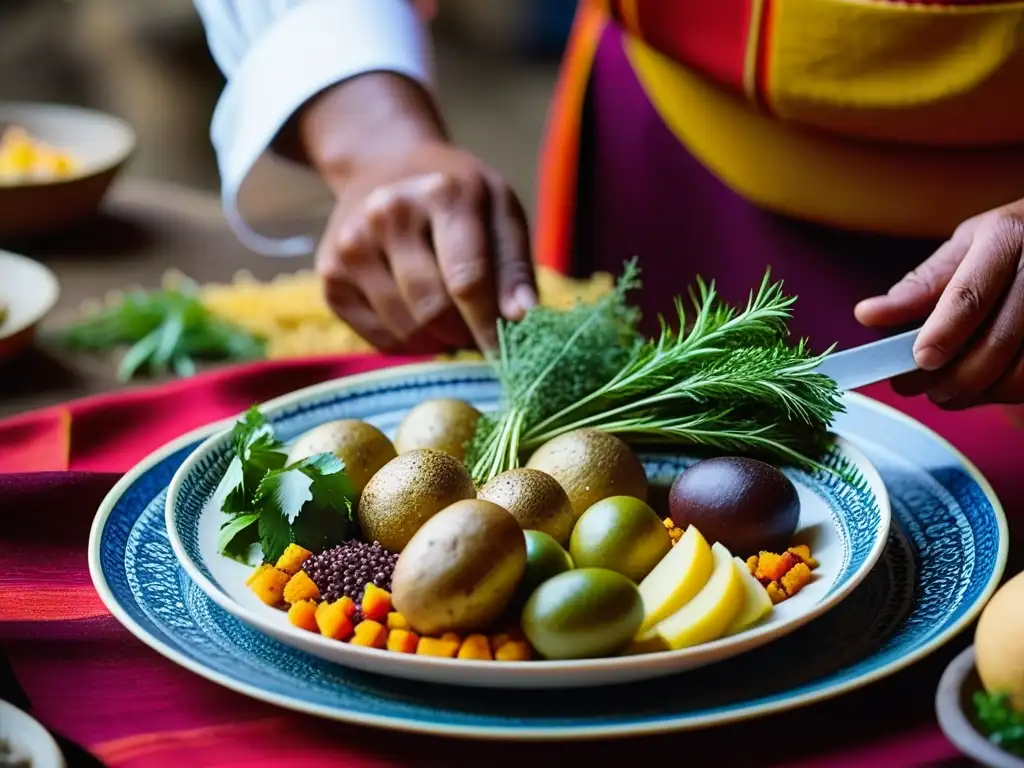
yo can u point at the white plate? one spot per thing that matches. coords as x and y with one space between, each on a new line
28 739
28 291
845 525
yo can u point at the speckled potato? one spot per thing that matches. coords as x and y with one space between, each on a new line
363 448
591 465
535 499
409 490
461 569
999 642
444 424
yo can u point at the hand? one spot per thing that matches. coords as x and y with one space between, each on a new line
972 292
425 250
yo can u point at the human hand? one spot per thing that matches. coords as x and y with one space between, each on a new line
425 249
971 290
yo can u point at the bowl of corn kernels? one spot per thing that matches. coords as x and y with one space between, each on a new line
56 164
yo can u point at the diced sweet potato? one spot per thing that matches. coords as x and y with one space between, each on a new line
300 587
348 605
332 621
776 592
303 615
292 558
796 578
370 634
772 566
435 646
269 585
476 647
803 554
513 650
403 641
499 640
376 603
256 573
397 621
752 565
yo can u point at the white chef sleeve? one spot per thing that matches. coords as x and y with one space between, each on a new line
276 54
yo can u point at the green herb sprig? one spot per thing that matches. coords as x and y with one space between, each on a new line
1000 723
166 331
729 379
272 504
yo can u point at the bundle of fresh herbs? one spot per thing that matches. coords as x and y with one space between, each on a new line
729 379
272 504
166 331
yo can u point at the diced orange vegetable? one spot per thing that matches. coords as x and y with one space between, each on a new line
773 567
256 573
370 634
452 637
303 615
776 592
300 587
348 605
397 621
269 585
435 646
499 640
476 647
376 603
796 578
752 565
332 621
292 558
403 641
803 553
513 650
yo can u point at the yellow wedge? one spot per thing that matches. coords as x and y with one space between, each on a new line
756 603
676 579
708 615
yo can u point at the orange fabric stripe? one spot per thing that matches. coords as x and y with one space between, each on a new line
40 604
764 45
556 193
629 13
37 443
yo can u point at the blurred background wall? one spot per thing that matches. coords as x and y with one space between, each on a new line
146 60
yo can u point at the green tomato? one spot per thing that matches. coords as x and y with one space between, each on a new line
620 533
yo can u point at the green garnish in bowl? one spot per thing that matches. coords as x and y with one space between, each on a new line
1000 723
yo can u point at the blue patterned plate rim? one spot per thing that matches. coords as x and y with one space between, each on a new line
780 704
717 650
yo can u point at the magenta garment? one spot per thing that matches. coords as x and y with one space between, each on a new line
640 192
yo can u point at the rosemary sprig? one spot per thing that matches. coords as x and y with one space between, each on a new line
727 380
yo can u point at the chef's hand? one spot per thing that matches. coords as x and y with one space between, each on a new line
426 247
971 290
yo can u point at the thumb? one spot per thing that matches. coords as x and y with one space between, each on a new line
913 297
514 274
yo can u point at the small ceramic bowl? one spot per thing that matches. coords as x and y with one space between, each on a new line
100 145
27 739
955 710
28 291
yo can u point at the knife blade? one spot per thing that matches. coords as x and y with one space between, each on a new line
871 363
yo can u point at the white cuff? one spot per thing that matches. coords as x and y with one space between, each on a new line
314 45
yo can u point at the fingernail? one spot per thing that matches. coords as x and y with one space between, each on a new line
928 358
526 297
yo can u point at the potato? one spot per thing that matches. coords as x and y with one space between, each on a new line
363 448
535 499
998 646
461 569
443 424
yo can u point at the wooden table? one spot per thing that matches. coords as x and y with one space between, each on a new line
145 229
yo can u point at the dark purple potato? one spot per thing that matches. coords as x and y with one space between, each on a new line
745 504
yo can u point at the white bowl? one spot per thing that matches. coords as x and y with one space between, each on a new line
846 527
28 739
28 291
100 143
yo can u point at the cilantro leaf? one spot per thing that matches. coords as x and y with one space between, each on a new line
275 534
237 537
284 491
1002 725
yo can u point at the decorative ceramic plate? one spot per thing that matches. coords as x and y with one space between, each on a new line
945 554
844 524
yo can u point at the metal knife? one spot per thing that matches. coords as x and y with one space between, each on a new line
871 363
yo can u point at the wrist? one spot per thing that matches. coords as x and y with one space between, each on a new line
365 120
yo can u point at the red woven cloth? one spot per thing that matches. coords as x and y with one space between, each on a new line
88 679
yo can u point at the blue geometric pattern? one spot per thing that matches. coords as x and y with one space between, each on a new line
923 584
